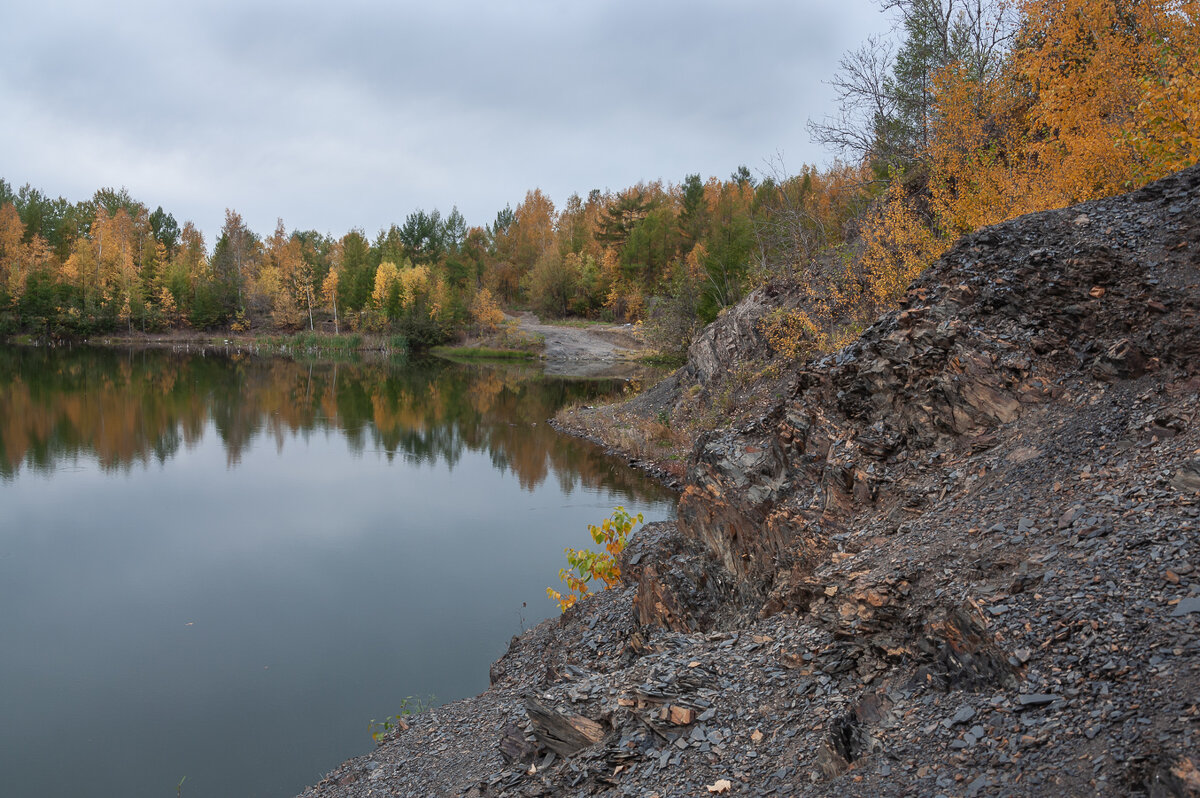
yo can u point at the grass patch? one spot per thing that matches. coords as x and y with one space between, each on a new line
327 343
306 342
577 323
316 346
664 359
413 705
481 353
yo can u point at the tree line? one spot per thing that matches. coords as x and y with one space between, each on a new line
973 112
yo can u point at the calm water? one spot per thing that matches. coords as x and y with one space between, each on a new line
222 569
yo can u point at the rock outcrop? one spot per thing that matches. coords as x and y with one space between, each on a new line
959 557
996 327
736 336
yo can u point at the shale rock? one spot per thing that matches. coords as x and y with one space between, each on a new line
958 557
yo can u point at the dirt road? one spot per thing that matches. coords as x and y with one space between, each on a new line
593 348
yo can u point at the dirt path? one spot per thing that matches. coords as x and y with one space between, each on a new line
590 347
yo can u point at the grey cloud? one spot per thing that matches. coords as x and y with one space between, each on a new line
354 114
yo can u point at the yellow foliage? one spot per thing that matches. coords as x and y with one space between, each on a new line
329 288
790 333
833 310
17 257
438 298
587 565
635 304
414 285
1165 132
897 246
166 301
385 277
695 262
485 312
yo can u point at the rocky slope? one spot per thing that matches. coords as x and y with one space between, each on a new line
958 557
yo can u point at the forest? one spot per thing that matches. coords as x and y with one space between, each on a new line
974 112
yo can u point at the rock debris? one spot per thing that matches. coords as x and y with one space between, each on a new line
958 558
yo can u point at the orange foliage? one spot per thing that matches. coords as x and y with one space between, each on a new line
1098 97
281 278
1083 63
14 253
532 230
981 173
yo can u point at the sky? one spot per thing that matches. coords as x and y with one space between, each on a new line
335 116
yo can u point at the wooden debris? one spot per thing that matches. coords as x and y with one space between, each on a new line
562 733
514 747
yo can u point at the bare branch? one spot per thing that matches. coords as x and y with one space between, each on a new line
862 96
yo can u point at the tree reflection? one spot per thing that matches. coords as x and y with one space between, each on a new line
129 407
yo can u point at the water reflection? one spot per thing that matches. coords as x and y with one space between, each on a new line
223 568
136 407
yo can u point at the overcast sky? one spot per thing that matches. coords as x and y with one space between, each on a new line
352 114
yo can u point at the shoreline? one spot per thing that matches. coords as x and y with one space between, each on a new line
958 557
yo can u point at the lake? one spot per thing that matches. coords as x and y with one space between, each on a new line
221 568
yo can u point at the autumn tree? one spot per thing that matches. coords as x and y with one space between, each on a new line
550 285
19 257
114 238
1165 131
485 313
278 279
532 230
572 226
387 296
1094 99
235 261
1090 63
316 253
12 255
356 281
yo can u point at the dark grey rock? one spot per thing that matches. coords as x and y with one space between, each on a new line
1186 606
965 713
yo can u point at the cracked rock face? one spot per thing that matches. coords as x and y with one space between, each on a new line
735 336
1107 290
